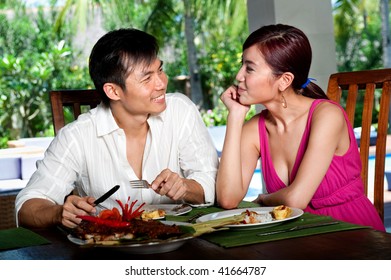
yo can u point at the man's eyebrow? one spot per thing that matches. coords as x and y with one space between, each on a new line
146 73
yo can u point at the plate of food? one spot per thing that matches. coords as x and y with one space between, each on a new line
137 237
255 217
125 229
159 210
136 246
153 214
142 247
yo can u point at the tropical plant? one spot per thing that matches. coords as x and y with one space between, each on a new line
205 25
218 115
36 52
358 47
33 60
184 28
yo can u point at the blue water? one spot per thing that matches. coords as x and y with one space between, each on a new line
371 162
255 186
253 192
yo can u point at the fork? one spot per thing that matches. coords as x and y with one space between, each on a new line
139 184
193 218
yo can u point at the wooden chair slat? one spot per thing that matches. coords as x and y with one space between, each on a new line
73 98
365 83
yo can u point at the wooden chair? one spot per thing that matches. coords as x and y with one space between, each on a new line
363 83
76 99
7 210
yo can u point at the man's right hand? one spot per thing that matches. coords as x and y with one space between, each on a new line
76 206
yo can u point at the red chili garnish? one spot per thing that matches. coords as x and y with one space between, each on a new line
127 210
105 222
113 218
113 214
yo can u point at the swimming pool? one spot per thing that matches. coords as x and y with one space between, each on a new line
256 186
371 162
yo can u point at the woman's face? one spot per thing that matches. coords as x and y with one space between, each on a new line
256 84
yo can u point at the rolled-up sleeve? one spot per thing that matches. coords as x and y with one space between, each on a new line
56 174
197 155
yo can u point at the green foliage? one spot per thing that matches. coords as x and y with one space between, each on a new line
36 54
33 60
218 115
125 13
218 47
358 47
219 67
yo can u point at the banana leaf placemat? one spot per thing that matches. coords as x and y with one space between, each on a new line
233 238
239 237
20 237
197 212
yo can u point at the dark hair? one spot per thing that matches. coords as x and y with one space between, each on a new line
286 49
116 54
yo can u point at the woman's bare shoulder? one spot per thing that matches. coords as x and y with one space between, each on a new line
253 122
327 111
328 119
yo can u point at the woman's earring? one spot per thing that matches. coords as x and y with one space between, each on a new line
283 101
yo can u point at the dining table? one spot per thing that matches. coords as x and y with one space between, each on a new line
342 241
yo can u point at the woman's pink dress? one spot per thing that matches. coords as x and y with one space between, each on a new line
341 192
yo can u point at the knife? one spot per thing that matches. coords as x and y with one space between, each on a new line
106 195
299 228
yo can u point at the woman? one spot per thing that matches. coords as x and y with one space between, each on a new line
308 152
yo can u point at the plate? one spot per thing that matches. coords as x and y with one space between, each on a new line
201 205
171 209
145 247
153 246
209 217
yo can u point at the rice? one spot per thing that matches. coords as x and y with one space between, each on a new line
253 217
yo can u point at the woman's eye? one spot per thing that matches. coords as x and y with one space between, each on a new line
249 69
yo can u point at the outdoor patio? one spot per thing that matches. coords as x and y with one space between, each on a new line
18 164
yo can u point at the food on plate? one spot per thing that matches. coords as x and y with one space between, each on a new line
112 227
137 229
153 214
278 213
252 217
281 212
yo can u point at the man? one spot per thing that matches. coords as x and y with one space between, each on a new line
137 132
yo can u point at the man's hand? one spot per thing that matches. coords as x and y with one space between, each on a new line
74 206
170 184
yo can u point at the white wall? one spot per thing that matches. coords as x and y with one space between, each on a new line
314 17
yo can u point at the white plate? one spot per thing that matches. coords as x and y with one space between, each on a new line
209 217
201 205
145 247
170 209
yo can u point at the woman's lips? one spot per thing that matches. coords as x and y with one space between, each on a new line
241 90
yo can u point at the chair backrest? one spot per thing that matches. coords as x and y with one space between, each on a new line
7 210
360 85
73 98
